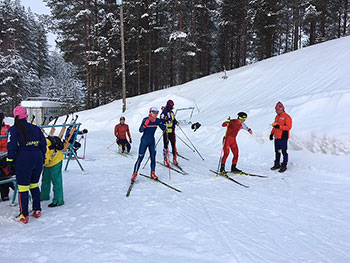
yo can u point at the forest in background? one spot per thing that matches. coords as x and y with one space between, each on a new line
168 42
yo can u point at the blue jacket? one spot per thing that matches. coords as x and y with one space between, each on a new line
148 132
15 143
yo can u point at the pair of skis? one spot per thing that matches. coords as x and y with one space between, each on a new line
178 169
225 175
155 180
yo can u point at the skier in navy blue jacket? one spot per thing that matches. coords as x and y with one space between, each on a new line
148 128
26 155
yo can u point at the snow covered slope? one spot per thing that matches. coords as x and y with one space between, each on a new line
313 83
300 216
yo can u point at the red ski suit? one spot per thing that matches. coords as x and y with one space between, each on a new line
233 127
121 130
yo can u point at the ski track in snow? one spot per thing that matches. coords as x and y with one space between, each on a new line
299 216
293 217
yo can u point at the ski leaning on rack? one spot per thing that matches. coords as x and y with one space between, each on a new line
172 168
228 177
161 182
249 174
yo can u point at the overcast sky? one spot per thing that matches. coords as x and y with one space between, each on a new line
39 7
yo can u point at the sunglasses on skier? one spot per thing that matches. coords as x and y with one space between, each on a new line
155 112
241 118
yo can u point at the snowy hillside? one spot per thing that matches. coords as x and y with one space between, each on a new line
313 83
299 216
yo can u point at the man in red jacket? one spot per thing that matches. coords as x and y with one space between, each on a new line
280 130
120 132
233 127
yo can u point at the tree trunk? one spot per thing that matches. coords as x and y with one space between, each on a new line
345 16
296 25
323 19
97 81
181 75
312 32
245 33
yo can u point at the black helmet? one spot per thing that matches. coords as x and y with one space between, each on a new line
170 104
242 115
122 118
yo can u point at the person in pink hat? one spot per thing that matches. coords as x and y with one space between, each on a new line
26 148
280 130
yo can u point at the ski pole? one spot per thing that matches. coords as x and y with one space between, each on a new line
169 164
194 147
111 145
85 145
221 155
185 143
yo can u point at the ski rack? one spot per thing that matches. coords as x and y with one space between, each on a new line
187 120
70 153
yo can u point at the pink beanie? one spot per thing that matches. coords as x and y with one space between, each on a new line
20 112
279 106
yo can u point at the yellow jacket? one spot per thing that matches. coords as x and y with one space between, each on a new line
52 157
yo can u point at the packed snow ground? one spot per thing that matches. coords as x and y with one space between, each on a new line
299 216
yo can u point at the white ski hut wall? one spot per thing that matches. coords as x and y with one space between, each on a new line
41 109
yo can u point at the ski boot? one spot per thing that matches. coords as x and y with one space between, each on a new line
175 161
222 169
234 169
283 168
133 179
153 175
23 219
276 166
36 214
166 162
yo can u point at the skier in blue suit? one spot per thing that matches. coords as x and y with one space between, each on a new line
26 155
148 128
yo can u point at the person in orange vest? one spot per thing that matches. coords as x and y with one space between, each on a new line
280 130
120 131
233 127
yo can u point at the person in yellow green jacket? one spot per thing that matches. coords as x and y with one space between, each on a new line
52 173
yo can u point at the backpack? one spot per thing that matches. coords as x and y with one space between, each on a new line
56 143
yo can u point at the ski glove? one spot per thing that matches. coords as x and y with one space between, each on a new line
250 131
271 137
11 167
146 124
228 120
85 131
130 140
276 126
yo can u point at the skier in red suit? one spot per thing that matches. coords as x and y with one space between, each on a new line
120 132
233 127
